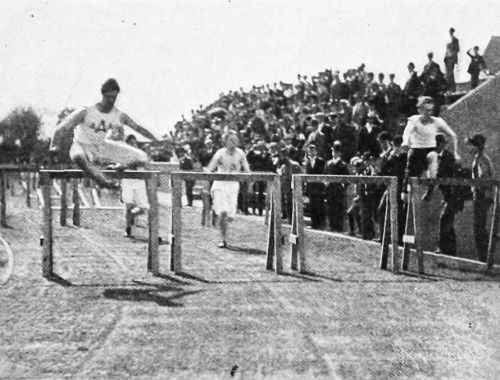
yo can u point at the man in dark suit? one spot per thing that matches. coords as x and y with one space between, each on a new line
451 59
315 190
336 192
411 92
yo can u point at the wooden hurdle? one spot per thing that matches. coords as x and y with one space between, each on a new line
274 258
47 176
13 168
297 252
415 241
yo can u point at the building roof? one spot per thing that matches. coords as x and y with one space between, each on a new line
492 54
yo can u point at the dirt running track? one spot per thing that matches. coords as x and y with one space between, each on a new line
227 317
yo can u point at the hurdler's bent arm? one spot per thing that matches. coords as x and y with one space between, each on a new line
445 128
70 122
125 119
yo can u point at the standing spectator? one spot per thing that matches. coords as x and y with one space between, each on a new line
477 64
393 97
411 92
482 168
286 171
451 59
354 211
315 190
336 192
433 83
452 203
338 89
260 161
346 134
207 153
394 166
186 164
367 137
318 139
359 110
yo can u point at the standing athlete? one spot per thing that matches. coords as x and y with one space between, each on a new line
91 148
229 159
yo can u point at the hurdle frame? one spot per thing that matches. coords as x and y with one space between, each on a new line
151 178
298 260
14 168
450 261
274 257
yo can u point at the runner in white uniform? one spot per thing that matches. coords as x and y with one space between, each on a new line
91 148
229 159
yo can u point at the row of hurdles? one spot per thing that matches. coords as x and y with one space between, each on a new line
391 255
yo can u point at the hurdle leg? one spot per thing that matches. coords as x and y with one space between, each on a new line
278 243
28 190
406 237
270 249
417 222
153 243
299 202
76 203
394 207
3 205
64 202
384 249
493 233
47 258
176 248
293 238
205 196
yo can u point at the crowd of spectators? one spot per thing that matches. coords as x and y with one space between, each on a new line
328 123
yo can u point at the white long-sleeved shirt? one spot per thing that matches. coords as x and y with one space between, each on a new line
418 135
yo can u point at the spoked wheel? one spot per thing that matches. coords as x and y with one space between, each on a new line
6 261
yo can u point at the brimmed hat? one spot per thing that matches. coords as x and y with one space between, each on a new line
477 140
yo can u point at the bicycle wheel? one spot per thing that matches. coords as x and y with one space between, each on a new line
6 261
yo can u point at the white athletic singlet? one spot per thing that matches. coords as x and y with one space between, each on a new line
418 135
96 124
224 162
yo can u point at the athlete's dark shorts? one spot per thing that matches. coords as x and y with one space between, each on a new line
417 161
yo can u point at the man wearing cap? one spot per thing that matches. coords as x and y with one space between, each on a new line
336 192
314 164
482 168
451 59
419 140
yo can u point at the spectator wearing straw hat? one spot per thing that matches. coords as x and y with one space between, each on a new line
482 168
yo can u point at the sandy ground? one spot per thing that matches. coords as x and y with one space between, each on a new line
226 316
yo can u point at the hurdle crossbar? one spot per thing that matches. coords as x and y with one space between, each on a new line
151 178
274 259
298 256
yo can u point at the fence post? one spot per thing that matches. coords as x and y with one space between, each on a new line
299 202
47 259
76 203
176 250
64 202
493 233
3 205
153 243
278 244
406 246
271 244
205 197
28 189
294 232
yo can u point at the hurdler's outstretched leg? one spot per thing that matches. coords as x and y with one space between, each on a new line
95 173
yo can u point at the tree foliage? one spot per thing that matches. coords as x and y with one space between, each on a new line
19 134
